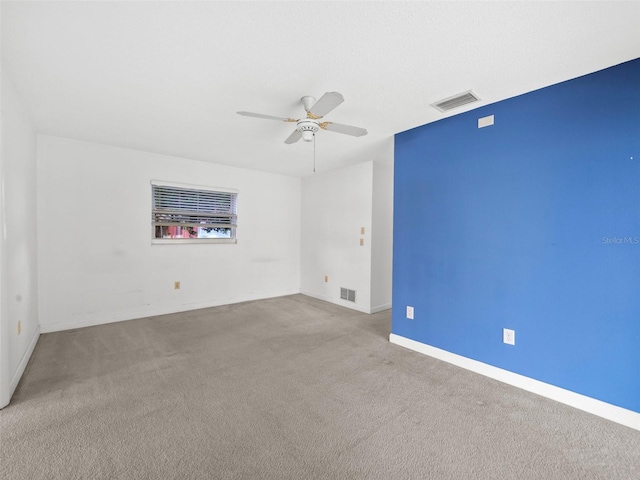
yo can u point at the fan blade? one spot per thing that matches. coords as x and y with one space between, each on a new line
327 102
346 129
268 117
294 137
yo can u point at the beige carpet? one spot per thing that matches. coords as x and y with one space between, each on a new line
286 388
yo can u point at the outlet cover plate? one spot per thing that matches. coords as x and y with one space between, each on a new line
508 336
410 313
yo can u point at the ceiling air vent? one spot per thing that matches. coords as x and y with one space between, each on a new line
456 101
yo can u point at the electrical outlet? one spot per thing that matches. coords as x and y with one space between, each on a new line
326 279
176 285
361 242
508 336
410 313
361 230
19 326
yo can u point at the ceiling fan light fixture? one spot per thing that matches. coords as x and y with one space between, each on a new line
307 128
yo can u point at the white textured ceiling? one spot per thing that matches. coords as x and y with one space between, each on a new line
168 77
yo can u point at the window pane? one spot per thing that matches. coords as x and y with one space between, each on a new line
204 232
169 232
175 232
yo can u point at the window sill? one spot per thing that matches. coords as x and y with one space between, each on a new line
190 241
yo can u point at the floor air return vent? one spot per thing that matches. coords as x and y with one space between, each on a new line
348 295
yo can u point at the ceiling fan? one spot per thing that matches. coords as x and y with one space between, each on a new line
306 128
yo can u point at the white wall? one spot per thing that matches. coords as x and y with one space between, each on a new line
335 205
96 261
382 237
18 251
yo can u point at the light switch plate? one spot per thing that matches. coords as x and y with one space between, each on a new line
485 121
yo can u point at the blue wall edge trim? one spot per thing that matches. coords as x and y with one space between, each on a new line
596 407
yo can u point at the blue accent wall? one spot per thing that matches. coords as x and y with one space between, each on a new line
531 224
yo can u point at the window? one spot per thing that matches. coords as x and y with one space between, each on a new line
186 214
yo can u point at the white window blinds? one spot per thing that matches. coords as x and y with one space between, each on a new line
190 207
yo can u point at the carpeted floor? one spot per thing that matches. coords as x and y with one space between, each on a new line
285 388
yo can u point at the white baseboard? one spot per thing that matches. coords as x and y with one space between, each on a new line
22 365
602 409
344 303
91 320
380 308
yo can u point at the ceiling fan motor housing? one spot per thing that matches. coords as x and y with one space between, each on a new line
307 128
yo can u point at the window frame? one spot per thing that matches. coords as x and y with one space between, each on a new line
191 241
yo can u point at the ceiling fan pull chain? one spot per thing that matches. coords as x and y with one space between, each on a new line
314 153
